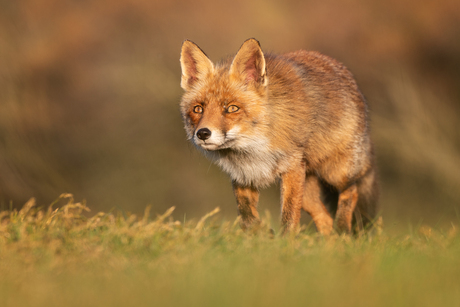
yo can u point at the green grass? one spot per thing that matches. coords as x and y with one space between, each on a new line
59 257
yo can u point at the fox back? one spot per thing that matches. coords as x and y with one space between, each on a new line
298 116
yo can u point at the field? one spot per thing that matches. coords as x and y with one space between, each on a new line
71 257
89 104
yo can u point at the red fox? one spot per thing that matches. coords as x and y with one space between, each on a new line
298 117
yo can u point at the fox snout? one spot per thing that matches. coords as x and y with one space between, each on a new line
213 138
203 134
209 138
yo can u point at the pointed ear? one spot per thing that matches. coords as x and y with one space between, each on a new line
249 64
194 63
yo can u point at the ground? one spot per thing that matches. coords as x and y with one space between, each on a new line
69 257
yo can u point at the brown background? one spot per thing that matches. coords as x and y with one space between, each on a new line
89 94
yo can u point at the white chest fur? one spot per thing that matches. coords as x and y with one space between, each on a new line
258 168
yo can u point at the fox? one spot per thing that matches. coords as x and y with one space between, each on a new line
296 118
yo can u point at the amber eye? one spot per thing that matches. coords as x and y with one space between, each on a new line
198 109
232 109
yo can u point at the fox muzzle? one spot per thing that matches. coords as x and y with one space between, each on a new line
203 134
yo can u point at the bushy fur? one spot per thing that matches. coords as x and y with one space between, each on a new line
298 116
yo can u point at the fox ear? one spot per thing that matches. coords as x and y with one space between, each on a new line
194 63
249 63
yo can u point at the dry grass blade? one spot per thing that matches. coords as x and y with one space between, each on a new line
26 208
162 217
201 222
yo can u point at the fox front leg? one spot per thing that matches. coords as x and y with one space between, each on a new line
292 196
247 198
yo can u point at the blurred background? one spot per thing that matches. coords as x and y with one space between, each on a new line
89 98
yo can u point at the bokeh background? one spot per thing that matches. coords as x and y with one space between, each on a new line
89 98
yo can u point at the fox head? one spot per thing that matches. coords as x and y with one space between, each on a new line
224 105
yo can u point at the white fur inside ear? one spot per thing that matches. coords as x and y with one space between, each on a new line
195 65
249 63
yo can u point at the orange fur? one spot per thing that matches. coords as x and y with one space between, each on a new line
298 117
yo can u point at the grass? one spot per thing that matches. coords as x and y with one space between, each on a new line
61 257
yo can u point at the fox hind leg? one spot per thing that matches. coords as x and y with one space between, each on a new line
313 204
366 208
348 200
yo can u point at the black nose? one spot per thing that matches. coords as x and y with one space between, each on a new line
203 134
